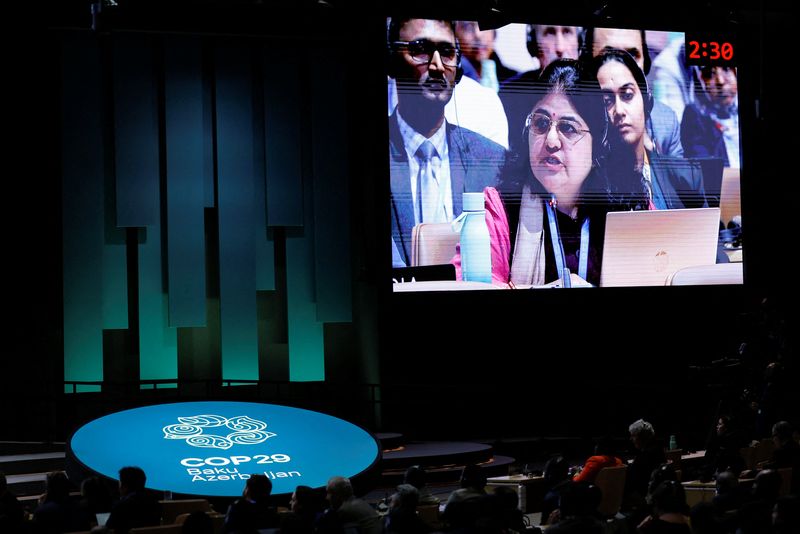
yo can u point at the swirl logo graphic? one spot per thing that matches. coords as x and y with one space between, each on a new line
227 432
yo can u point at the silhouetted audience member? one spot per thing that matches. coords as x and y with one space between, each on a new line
416 476
723 452
556 479
755 516
57 512
728 494
577 511
604 456
460 510
662 473
306 507
347 511
252 512
786 515
786 452
95 496
198 522
473 484
649 455
402 517
12 514
511 517
669 513
136 507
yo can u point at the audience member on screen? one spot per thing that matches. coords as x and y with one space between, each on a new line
550 210
479 61
710 126
432 162
672 77
136 507
663 130
639 177
546 43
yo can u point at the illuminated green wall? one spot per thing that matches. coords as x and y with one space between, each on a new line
205 208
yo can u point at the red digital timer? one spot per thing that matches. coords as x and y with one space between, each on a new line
710 51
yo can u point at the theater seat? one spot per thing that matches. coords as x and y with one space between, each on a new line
611 481
161 529
707 275
433 244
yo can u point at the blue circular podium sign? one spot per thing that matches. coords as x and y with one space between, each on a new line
211 448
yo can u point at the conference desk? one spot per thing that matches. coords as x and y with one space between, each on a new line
460 285
530 490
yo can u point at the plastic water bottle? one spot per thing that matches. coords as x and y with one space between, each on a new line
673 444
476 252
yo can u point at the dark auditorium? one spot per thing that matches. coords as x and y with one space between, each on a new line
339 267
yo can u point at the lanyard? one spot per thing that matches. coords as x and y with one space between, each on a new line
558 246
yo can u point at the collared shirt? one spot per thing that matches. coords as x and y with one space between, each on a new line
440 163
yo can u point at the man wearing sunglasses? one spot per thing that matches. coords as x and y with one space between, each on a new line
432 162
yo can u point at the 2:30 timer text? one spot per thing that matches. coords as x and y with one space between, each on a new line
711 50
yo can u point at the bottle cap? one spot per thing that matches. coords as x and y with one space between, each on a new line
473 201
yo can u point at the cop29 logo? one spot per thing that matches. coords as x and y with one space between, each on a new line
217 432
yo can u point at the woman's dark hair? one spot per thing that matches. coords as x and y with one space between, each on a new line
626 190
621 56
572 79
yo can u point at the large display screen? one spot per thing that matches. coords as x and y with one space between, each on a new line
538 155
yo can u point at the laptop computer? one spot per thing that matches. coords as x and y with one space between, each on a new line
642 248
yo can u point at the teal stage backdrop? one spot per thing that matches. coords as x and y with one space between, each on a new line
205 208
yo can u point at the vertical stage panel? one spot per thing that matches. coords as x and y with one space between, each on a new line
283 126
265 246
237 213
332 273
83 146
158 342
306 340
184 130
135 131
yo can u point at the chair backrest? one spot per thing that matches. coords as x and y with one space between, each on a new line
748 454
764 450
433 244
730 197
429 514
611 481
709 275
170 510
786 480
697 494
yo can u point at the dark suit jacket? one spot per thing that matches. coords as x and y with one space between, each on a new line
700 136
475 163
678 183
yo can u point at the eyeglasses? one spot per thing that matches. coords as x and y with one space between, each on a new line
421 51
569 130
